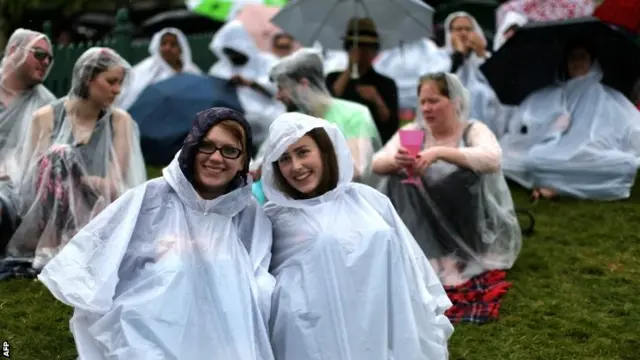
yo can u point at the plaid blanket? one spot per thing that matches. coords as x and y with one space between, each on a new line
478 300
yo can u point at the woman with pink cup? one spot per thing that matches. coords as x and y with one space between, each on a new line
462 214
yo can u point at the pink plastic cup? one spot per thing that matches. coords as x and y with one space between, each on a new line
412 140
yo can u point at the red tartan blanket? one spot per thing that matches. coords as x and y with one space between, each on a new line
478 300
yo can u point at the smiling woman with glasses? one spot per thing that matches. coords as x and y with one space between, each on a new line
186 254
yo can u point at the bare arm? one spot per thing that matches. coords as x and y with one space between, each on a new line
341 82
483 154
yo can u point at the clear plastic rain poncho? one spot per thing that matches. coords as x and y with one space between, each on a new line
164 274
17 107
406 63
579 138
463 218
300 78
485 105
76 162
259 108
155 68
351 282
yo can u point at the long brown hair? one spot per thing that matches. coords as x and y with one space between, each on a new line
330 170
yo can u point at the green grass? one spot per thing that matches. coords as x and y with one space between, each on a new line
575 295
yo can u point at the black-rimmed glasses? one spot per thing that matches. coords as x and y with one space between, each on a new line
227 152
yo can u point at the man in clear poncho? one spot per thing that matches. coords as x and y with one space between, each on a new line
176 268
170 54
25 65
351 281
81 153
301 86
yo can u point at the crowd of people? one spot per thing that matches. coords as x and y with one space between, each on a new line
290 230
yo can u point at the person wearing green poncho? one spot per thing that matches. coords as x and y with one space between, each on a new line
301 87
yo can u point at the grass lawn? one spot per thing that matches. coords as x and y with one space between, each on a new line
575 295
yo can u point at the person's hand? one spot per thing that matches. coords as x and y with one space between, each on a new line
403 159
354 58
458 44
256 174
368 92
240 81
477 44
426 158
96 183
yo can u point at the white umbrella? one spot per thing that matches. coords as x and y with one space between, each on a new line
325 21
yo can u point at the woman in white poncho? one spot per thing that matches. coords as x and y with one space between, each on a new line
351 281
460 211
170 54
81 154
176 268
466 43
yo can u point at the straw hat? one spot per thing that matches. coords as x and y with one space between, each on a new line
363 30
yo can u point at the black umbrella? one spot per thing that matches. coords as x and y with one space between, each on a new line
94 24
532 58
187 21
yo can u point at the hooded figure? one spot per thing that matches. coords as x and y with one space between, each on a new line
177 267
485 105
170 54
247 67
576 138
26 63
352 282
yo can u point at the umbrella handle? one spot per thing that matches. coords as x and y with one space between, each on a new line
354 70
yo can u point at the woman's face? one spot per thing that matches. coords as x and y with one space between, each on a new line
170 48
301 165
219 159
106 86
462 26
578 62
436 108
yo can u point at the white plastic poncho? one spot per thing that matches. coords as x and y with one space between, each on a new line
155 69
163 274
581 139
463 218
16 116
351 282
485 105
74 165
405 64
259 109
300 77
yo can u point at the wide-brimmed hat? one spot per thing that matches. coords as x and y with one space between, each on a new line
362 30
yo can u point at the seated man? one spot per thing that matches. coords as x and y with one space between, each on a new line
301 88
25 65
377 92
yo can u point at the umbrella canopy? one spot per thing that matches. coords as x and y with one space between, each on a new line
223 10
326 21
164 111
183 19
532 58
546 10
625 13
256 19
